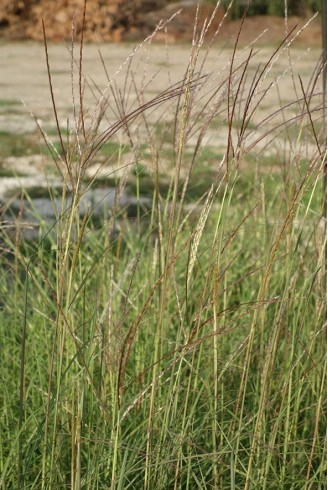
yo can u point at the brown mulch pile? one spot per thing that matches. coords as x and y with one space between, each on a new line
104 20
133 20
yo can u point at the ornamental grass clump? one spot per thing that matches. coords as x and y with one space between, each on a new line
183 347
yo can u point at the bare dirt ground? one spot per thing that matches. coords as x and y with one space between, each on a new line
23 77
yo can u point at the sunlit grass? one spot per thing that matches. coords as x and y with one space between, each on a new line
184 347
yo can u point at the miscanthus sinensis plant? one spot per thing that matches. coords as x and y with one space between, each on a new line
183 347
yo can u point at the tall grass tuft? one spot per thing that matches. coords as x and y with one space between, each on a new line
185 347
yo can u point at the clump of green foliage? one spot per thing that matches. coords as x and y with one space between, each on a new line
267 7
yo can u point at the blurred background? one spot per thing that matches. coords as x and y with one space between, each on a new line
127 20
